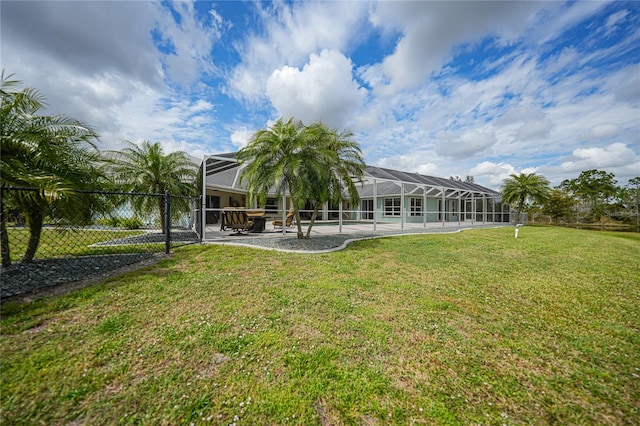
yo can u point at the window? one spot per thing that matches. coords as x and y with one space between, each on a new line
367 209
392 206
272 205
416 206
213 202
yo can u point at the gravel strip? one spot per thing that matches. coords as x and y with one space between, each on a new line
177 238
22 278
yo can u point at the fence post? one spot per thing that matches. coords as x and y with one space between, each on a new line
167 222
4 236
203 217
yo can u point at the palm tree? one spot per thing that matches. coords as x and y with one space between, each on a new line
309 163
273 158
525 188
341 166
147 169
55 154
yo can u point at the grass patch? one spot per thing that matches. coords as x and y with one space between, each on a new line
60 242
475 327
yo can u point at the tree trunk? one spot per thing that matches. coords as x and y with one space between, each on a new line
36 218
313 220
4 236
520 208
298 224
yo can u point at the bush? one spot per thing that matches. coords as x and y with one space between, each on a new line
121 222
130 223
112 222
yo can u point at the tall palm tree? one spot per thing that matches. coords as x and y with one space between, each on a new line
55 154
272 159
525 188
146 168
309 163
341 167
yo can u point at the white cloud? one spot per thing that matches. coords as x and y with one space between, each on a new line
430 30
288 34
465 145
525 94
174 122
323 90
562 16
191 39
625 85
240 137
603 130
494 173
616 155
83 38
614 20
96 61
409 163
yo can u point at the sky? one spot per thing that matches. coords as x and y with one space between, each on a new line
452 88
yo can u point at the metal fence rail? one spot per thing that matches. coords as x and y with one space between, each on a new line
91 223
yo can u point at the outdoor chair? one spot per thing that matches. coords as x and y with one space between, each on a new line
236 220
288 220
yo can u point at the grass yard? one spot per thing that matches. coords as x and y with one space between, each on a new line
474 327
58 242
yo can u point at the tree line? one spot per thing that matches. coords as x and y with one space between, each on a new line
592 197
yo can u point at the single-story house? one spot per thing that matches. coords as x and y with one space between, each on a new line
386 195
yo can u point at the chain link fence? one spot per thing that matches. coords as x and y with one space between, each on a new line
48 238
83 223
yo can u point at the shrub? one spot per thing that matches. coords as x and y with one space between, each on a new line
130 223
121 222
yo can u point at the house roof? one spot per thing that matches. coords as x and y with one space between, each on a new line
396 175
226 171
220 162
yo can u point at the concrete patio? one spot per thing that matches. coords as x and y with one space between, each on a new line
330 236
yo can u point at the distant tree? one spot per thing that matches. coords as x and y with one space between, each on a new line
558 204
308 163
55 154
467 179
595 188
525 189
633 189
147 169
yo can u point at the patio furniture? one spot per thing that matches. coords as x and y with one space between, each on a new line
235 219
257 219
240 219
257 223
288 220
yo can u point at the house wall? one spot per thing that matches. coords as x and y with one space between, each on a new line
466 209
220 199
455 210
432 210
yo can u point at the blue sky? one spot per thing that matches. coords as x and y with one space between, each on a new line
440 88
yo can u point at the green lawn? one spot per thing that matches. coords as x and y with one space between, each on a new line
467 328
60 242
